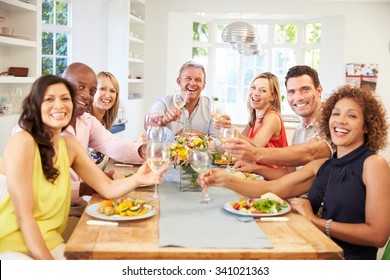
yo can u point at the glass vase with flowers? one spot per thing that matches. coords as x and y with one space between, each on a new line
180 156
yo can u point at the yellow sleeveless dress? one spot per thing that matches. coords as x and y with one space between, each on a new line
51 206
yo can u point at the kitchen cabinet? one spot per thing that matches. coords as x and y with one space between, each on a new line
136 45
22 48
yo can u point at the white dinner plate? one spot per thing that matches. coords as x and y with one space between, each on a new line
228 207
93 210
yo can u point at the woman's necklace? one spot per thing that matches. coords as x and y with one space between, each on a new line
321 209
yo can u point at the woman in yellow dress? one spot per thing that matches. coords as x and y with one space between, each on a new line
34 208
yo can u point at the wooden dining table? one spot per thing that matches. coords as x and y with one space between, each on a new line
139 239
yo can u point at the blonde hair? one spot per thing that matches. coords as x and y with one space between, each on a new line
110 115
275 90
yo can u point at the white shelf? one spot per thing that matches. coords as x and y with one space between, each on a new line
136 81
136 40
134 19
136 60
128 19
8 41
23 48
16 80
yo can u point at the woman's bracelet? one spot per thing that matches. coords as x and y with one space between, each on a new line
327 227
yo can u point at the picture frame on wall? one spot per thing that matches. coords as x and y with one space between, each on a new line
362 74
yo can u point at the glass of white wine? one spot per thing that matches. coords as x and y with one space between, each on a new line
154 131
157 156
200 161
227 132
217 111
153 119
179 100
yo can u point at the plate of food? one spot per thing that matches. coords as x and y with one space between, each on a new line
223 159
268 205
126 209
243 175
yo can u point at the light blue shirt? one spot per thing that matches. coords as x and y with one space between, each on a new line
200 118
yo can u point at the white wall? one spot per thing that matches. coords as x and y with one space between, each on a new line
359 34
89 33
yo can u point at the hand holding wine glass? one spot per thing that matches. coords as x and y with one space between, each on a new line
153 119
179 101
157 156
154 131
219 115
226 133
217 111
200 161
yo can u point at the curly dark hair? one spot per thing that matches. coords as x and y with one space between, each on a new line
300 70
374 112
31 120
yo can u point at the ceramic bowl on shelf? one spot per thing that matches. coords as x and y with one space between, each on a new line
7 30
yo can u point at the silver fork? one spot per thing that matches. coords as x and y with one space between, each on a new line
245 219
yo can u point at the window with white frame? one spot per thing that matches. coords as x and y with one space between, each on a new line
284 44
55 36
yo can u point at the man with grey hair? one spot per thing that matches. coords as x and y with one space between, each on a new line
192 79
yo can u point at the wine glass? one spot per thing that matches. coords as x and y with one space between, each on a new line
227 132
157 156
154 130
179 100
153 119
217 111
155 133
200 160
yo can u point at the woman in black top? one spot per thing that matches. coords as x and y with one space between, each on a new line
348 194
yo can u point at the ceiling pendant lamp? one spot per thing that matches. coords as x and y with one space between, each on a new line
239 32
243 37
252 49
